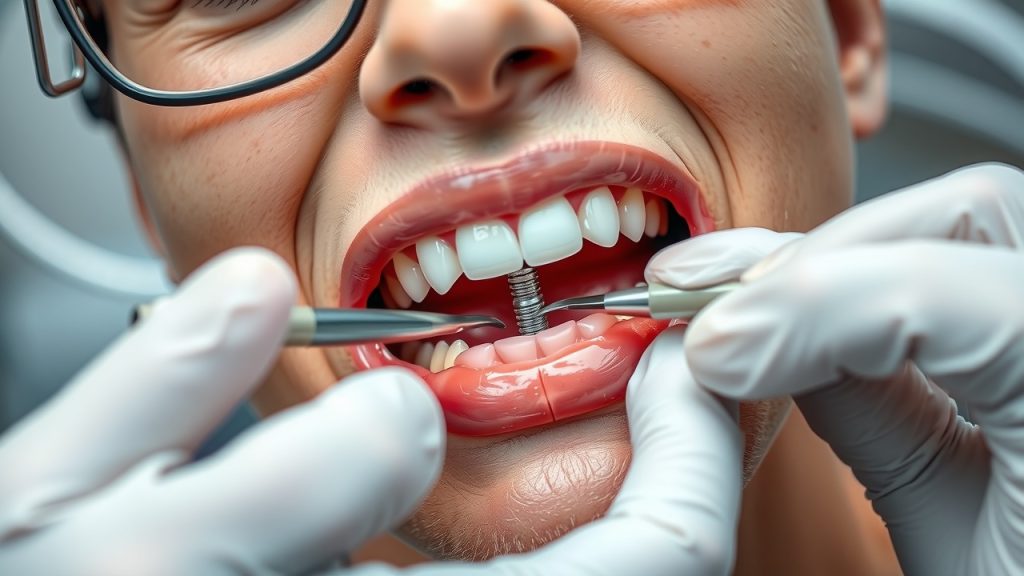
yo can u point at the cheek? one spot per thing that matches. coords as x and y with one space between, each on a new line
762 79
213 178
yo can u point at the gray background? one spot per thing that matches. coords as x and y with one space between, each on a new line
958 98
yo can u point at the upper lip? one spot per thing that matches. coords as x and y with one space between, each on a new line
468 194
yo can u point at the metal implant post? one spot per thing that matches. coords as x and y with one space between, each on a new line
527 301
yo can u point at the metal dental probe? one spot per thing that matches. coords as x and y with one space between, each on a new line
527 301
335 326
654 301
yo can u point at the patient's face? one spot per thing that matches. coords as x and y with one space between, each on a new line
452 142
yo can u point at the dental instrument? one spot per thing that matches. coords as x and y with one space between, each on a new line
334 326
653 300
527 301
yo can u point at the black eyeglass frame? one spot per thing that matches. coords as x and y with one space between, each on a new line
85 48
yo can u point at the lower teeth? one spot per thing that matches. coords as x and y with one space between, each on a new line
440 356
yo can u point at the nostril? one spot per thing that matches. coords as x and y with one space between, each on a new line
413 92
523 63
424 70
524 58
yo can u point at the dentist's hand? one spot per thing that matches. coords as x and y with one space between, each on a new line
869 321
99 481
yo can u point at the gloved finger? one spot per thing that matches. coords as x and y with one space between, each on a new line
164 386
864 311
979 204
714 258
315 481
924 468
952 309
678 508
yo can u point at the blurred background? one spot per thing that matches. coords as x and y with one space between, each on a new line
957 98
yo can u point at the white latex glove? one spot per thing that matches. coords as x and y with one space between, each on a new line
98 481
870 320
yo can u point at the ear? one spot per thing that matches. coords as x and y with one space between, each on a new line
860 32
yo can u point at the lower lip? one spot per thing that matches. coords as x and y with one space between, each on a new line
508 398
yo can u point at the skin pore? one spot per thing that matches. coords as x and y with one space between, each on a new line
758 101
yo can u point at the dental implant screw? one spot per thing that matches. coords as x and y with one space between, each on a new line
527 301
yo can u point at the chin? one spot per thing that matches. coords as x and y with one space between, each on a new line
538 438
516 493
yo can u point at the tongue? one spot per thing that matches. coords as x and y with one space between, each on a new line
594 270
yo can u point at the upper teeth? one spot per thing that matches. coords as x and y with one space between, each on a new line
439 262
547 232
599 218
488 249
411 277
632 214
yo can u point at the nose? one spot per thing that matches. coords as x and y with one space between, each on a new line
436 62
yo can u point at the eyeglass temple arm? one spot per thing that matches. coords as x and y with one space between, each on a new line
35 30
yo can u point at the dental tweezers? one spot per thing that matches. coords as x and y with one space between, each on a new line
654 301
336 326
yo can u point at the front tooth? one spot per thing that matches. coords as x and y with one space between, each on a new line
595 325
631 214
516 348
411 277
599 217
488 249
555 339
439 263
457 347
437 360
549 232
481 356
397 292
652 216
424 354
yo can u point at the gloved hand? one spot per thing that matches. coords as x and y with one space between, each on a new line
870 320
98 481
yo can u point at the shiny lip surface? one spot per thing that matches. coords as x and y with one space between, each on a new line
592 374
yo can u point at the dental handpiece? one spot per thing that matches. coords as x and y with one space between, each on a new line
337 326
653 301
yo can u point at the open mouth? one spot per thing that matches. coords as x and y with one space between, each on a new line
587 216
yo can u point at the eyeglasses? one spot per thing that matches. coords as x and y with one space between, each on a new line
202 52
